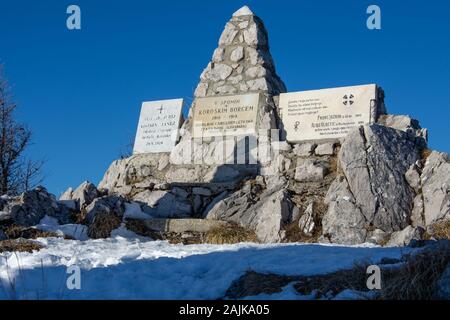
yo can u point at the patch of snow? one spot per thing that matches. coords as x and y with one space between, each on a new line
123 232
124 268
75 231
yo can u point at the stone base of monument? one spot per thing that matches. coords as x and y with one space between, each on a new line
313 191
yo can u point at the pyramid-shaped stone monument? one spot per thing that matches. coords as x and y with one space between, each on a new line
241 64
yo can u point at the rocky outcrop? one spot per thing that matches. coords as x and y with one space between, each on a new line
165 204
435 187
404 237
372 193
31 206
311 170
83 195
142 172
265 211
104 215
405 124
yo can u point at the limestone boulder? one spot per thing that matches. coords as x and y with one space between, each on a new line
405 236
85 194
373 192
164 204
264 211
311 171
31 206
435 185
405 124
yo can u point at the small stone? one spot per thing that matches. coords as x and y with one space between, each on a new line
243 87
228 35
243 25
237 54
295 213
201 90
412 176
310 171
253 56
256 72
219 72
201 191
281 146
163 162
325 149
304 149
218 55
235 79
179 192
306 222
405 236
226 89
197 203
258 84
253 36
244 11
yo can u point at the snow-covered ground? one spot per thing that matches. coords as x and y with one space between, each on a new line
131 267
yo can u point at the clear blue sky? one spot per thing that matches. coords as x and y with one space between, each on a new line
80 91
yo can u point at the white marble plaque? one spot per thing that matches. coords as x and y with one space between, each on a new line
326 114
225 115
158 126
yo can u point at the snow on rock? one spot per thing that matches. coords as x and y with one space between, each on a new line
124 268
75 231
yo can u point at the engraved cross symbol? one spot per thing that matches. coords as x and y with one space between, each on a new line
348 99
160 109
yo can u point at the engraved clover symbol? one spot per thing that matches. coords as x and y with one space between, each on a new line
297 123
348 99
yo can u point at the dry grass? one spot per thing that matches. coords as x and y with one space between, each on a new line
14 231
334 165
79 217
19 245
417 278
440 230
333 283
229 234
253 283
293 232
425 154
138 227
102 225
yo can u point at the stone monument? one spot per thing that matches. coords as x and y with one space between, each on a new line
241 64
